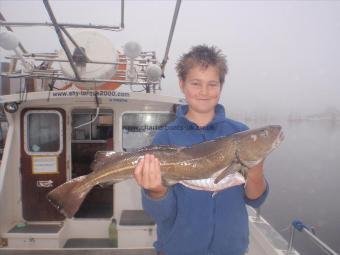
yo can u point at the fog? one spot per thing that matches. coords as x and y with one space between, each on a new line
284 62
283 56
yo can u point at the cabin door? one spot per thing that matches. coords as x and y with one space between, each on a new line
43 165
92 133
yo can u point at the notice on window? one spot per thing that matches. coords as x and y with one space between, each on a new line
44 164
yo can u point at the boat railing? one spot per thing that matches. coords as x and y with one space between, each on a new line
298 225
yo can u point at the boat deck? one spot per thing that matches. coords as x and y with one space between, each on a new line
264 240
88 247
80 251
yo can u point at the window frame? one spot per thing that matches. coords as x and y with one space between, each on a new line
61 133
144 112
81 111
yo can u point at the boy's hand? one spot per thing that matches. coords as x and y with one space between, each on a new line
148 176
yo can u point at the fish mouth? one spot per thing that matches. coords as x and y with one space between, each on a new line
280 137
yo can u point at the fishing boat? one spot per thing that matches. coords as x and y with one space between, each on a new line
61 108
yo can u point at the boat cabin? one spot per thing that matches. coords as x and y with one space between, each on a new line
52 138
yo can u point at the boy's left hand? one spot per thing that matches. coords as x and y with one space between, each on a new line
255 182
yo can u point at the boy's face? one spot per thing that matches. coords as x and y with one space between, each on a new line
202 89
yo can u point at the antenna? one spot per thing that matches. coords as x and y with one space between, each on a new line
132 50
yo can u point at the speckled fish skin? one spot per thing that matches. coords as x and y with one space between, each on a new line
204 162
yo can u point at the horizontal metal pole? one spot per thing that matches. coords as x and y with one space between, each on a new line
59 73
46 54
38 76
88 62
121 57
48 24
66 60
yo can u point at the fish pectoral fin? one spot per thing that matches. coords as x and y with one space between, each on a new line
243 171
234 167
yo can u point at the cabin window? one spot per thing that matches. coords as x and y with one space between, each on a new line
90 133
87 127
140 128
43 132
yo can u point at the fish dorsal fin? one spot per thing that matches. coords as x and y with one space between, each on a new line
102 157
158 147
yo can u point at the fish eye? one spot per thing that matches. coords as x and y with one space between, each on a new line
253 137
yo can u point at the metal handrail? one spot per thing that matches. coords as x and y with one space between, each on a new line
298 225
7 24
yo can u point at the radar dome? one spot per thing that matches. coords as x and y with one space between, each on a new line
97 48
154 72
8 40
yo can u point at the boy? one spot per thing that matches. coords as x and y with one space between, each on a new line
193 222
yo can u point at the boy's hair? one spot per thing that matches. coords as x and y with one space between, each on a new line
203 56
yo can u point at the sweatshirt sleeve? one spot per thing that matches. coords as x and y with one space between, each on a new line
160 209
256 203
164 208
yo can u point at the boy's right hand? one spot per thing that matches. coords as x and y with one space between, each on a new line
148 175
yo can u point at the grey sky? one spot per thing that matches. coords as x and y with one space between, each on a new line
283 56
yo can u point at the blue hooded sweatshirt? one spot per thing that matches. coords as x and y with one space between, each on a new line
193 222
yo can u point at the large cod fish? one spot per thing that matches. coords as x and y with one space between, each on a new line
211 165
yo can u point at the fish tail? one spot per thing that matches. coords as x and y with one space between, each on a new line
68 197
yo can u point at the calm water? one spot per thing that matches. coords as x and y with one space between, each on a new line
304 176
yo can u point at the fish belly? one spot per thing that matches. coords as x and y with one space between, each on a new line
210 185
